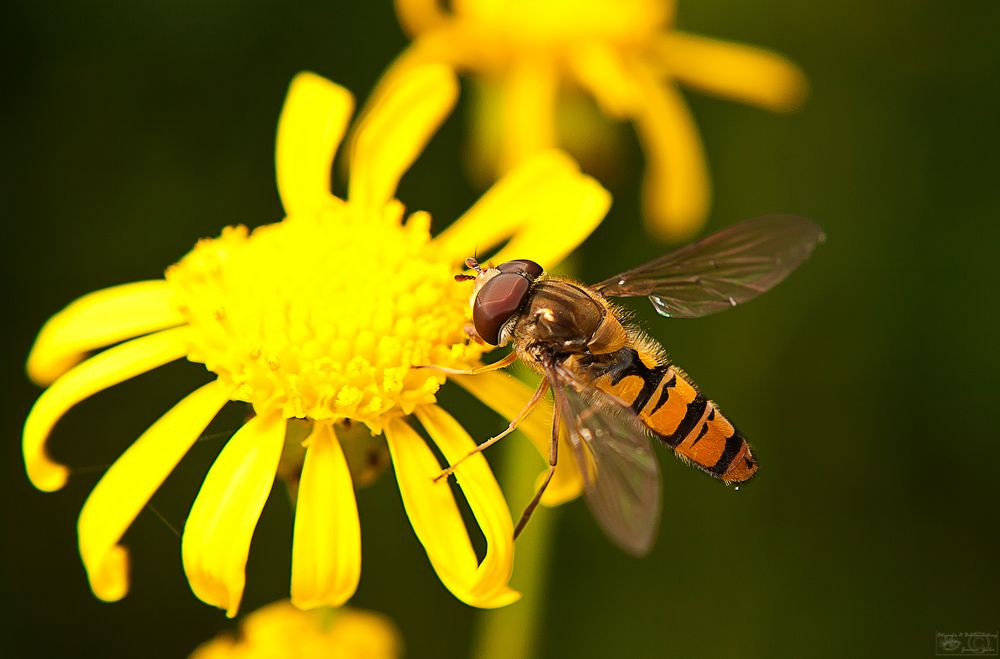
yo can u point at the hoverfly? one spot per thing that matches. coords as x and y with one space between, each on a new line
613 387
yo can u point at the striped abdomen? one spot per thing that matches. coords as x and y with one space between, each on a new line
670 406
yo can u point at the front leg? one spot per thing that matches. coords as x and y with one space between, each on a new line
543 386
486 368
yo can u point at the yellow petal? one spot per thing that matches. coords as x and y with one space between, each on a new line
128 485
441 46
216 539
312 123
435 517
744 73
326 550
429 506
491 587
392 136
529 110
544 203
572 212
419 15
507 396
97 320
675 187
515 200
100 372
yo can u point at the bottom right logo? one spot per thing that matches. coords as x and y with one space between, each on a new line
966 644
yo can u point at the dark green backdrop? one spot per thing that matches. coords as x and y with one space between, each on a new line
868 382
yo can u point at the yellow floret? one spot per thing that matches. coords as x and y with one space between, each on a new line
334 323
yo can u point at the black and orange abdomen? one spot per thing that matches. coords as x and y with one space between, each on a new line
676 412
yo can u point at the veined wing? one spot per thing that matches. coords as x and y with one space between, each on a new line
722 270
620 471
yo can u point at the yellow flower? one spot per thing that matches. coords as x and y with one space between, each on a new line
319 317
281 631
531 56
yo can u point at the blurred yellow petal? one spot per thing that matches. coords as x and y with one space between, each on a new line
130 482
100 372
675 188
744 73
99 319
572 213
482 96
312 123
326 549
599 69
281 631
507 396
530 91
426 50
394 133
216 539
487 502
435 517
514 201
416 16
363 635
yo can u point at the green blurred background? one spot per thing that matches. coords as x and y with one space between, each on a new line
865 382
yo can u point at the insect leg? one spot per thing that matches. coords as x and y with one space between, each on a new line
553 459
485 368
539 393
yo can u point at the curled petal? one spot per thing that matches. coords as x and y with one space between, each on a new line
131 481
312 123
507 396
744 73
326 549
486 501
97 320
216 539
675 188
430 507
395 131
435 517
100 372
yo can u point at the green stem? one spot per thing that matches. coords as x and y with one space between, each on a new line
512 632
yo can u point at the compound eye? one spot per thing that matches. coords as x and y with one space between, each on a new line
497 302
521 266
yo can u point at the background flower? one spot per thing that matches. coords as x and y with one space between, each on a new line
529 57
319 317
282 631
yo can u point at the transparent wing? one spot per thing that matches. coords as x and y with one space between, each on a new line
725 269
620 472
